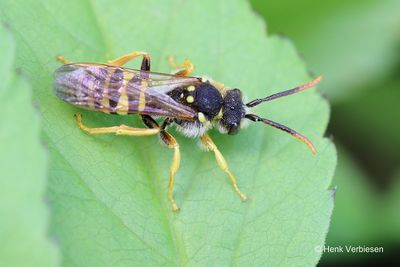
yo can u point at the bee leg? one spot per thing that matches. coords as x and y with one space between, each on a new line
223 165
118 130
62 59
128 57
170 141
185 69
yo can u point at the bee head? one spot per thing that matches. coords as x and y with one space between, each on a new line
233 111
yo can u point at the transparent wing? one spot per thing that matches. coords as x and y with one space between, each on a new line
118 90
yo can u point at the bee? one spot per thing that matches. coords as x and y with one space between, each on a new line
194 105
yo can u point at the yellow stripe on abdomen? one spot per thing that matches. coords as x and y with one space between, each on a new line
142 96
123 103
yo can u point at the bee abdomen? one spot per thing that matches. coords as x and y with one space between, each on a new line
90 87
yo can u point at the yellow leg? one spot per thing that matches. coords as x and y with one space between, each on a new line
62 59
185 69
223 165
171 143
125 58
118 130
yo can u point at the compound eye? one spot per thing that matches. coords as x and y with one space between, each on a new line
233 128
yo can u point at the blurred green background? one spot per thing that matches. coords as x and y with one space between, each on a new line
356 46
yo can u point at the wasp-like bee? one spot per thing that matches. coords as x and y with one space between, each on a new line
194 105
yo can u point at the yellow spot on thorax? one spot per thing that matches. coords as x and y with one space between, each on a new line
219 115
190 99
191 88
201 117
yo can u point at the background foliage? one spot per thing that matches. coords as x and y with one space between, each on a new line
24 215
356 45
107 194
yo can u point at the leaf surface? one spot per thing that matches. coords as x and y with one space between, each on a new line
109 193
23 212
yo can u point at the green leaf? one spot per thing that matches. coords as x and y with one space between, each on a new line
24 215
109 193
